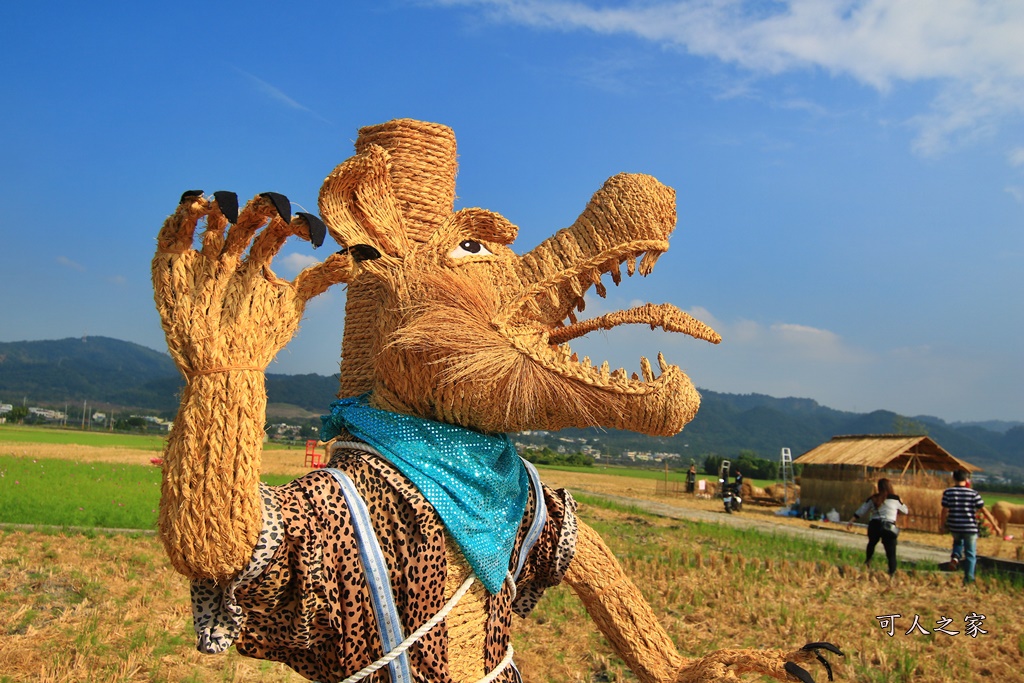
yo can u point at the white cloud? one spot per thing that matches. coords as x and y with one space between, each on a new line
1016 156
785 341
293 263
972 51
278 95
811 342
68 263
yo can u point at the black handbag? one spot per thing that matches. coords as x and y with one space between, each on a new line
890 527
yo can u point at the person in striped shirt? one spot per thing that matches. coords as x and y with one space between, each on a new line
960 505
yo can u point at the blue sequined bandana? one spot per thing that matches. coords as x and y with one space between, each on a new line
476 482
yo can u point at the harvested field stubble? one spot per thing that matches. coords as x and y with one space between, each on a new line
276 461
103 608
711 597
109 608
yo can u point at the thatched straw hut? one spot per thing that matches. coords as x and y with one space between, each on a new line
841 473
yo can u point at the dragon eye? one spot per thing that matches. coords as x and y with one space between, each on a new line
469 248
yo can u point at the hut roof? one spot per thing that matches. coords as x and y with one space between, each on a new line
885 451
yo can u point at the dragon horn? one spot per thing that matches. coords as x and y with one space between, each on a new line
423 167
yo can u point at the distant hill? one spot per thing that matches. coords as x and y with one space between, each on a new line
113 373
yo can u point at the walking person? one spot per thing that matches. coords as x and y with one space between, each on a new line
884 506
960 505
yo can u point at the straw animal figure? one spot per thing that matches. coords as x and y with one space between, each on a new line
1004 514
376 568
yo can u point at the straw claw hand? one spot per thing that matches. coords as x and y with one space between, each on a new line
219 302
779 664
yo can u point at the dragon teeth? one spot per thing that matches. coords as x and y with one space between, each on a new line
605 371
631 265
648 261
616 275
661 362
600 289
645 367
572 318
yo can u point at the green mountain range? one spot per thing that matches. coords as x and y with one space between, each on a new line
114 374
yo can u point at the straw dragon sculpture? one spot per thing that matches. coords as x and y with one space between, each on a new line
405 559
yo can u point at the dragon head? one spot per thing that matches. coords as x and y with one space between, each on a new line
444 321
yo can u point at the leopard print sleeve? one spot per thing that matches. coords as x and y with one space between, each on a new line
549 558
216 615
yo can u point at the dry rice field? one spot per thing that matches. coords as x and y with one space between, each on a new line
104 608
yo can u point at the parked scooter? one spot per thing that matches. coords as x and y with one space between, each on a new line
731 497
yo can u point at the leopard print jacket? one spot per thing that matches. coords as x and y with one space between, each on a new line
304 599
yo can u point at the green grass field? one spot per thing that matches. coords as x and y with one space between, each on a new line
57 492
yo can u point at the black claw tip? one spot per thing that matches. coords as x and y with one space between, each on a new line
281 203
798 672
228 203
189 194
317 229
824 646
363 252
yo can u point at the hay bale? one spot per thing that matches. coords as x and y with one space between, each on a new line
748 490
925 505
778 492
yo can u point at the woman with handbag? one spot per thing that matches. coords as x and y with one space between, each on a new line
883 505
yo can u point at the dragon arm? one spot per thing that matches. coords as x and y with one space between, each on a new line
620 610
626 619
225 315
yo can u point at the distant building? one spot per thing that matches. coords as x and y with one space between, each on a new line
46 413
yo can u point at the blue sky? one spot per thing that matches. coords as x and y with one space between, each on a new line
850 175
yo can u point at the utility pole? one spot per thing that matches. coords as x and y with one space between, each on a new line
84 404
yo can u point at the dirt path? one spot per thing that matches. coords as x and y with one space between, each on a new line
818 533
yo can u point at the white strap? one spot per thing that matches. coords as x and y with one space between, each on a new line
376 568
540 518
